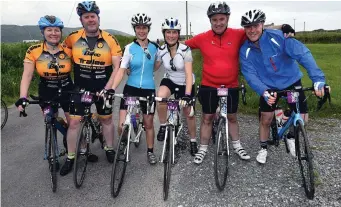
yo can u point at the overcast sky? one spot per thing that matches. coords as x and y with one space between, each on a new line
117 14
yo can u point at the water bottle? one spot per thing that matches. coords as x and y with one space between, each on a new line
133 119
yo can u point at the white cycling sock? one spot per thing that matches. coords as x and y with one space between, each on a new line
236 144
203 147
193 139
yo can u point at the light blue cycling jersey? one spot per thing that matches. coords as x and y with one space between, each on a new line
141 62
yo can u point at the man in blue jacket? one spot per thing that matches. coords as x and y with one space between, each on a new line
268 61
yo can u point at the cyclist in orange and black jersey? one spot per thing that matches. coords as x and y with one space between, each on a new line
96 55
92 58
53 64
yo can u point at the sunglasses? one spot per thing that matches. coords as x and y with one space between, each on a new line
145 50
172 65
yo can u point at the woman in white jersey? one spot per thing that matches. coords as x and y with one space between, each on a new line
177 61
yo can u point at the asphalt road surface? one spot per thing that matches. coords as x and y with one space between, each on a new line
25 180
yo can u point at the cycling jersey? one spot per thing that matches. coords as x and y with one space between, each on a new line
273 65
220 56
92 65
141 64
44 62
175 71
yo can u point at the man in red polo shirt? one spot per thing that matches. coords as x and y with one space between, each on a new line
220 50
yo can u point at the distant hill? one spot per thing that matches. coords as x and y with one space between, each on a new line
15 33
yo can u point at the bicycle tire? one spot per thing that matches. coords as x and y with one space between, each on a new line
120 156
167 162
5 114
221 151
81 157
305 161
50 134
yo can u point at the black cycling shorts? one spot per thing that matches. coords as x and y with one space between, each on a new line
48 94
140 92
209 100
171 86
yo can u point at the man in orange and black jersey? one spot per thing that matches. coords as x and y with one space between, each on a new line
96 55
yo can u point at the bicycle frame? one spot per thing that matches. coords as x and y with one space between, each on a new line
293 120
172 121
132 104
223 114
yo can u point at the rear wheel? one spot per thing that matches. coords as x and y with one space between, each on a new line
82 153
305 161
167 162
221 156
4 114
120 162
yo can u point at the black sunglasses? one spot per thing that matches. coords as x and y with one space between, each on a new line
172 65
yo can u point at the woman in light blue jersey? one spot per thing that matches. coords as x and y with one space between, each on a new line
139 56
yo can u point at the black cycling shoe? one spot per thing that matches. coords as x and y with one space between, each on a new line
67 167
194 148
161 133
92 157
110 155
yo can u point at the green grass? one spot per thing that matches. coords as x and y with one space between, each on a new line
328 58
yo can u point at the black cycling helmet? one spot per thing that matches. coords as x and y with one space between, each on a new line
219 7
86 7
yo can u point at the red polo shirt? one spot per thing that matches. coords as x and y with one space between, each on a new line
221 56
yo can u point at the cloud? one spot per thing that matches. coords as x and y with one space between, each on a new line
117 14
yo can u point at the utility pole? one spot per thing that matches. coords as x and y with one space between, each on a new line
294 24
304 27
186 21
190 28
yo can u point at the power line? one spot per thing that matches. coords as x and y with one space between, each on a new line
74 4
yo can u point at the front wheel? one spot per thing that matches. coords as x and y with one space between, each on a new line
82 153
221 156
305 161
51 140
167 162
120 162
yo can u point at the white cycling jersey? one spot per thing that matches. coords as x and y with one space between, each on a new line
176 73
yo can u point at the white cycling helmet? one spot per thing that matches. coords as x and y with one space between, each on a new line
141 19
171 23
253 17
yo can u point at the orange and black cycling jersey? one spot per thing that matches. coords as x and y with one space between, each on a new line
46 63
92 67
